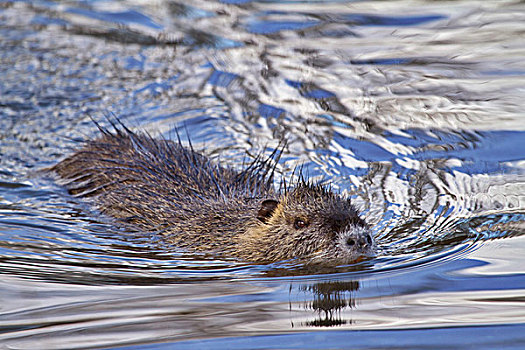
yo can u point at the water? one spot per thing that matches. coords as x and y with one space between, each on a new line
414 109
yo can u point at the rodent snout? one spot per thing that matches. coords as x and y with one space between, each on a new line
350 242
357 241
363 241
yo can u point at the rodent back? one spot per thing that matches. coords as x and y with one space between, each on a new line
161 165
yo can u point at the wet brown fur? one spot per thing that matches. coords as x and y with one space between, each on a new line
159 185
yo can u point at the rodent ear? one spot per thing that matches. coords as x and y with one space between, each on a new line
266 210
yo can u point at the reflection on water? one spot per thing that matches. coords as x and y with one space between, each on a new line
455 294
329 299
412 109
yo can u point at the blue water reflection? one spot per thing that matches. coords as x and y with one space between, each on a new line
124 17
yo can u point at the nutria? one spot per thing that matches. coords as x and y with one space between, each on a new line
159 185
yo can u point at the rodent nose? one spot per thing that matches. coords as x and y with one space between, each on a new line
350 242
363 241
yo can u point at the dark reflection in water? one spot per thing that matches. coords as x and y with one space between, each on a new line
329 298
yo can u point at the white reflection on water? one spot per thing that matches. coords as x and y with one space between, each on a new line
437 295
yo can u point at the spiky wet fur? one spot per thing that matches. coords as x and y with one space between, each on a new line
159 185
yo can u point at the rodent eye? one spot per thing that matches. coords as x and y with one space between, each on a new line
300 223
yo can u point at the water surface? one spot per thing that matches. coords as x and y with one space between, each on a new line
413 109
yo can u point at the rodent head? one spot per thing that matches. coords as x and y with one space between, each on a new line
312 222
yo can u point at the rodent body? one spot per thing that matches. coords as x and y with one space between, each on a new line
159 185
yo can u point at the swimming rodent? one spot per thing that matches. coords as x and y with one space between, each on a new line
159 185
